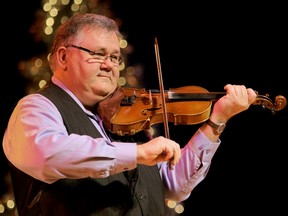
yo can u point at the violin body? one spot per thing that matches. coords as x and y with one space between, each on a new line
140 109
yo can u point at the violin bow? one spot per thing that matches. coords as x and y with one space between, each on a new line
162 92
161 89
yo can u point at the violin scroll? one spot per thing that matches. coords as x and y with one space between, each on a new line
267 103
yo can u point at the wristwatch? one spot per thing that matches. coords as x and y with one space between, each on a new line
218 128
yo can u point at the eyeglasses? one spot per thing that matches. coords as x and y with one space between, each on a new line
100 57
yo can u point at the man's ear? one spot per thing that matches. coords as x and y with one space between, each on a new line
61 57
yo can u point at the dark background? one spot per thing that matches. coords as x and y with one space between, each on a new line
207 45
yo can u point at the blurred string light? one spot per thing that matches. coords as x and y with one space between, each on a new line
7 205
174 208
47 20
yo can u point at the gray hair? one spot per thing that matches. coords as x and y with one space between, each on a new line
70 29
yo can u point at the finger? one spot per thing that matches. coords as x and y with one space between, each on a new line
252 95
176 156
169 155
171 164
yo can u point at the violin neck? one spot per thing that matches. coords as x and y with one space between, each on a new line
210 96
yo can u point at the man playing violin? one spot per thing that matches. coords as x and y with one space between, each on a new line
62 160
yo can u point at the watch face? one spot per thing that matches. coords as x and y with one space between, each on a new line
221 128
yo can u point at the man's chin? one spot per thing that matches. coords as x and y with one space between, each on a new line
106 93
105 89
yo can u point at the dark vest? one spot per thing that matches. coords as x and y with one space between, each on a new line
133 193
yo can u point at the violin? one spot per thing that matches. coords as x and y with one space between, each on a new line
130 110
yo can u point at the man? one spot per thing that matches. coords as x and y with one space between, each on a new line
62 160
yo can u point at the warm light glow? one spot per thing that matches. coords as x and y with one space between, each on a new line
34 70
42 83
123 43
50 21
48 30
10 204
179 209
78 2
52 2
47 7
83 9
2 208
122 66
38 63
53 12
75 7
122 81
171 204
130 71
65 2
64 18
132 81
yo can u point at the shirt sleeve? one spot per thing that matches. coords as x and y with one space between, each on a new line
192 168
36 142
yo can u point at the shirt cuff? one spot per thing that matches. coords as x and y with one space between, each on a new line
125 156
200 142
